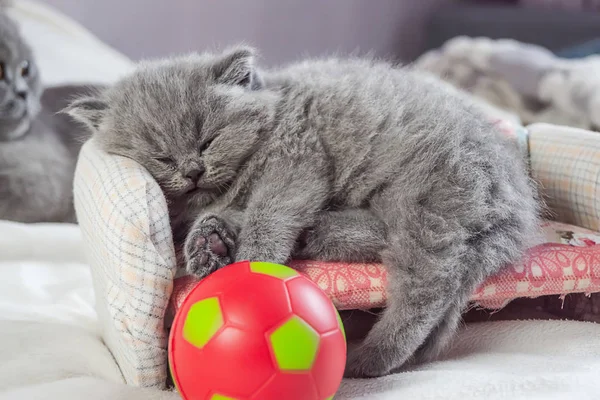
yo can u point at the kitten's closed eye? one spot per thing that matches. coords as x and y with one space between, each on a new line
165 160
206 145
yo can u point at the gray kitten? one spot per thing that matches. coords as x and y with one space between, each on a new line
335 159
38 148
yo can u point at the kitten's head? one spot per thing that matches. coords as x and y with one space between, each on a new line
191 121
20 86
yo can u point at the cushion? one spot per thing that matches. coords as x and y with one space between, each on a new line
127 237
566 161
568 262
125 228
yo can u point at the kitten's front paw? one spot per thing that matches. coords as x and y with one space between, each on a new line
210 245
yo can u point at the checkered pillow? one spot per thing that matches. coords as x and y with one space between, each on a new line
124 221
125 226
566 161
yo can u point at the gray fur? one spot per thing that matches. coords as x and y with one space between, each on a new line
38 148
348 159
20 86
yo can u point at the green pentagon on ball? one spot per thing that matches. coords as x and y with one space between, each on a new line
203 321
295 345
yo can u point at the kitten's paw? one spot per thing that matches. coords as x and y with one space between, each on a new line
210 245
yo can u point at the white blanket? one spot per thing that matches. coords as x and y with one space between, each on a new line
50 348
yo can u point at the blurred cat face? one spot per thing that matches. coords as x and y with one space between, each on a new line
191 122
20 86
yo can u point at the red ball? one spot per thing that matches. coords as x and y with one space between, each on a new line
257 331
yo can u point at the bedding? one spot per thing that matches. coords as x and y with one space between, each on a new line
48 324
51 343
51 347
525 79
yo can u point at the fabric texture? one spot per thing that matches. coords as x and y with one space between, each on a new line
525 79
566 161
125 227
568 262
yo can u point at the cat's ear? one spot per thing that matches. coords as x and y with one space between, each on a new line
88 110
236 67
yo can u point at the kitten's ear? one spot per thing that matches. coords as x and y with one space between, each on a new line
88 110
236 67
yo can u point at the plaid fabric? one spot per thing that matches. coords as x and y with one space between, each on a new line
125 226
566 161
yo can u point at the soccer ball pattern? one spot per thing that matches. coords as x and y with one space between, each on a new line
257 331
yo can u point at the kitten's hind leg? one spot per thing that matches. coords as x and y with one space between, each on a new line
441 335
427 278
352 235
418 301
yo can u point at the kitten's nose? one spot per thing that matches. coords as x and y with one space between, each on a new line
194 174
22 95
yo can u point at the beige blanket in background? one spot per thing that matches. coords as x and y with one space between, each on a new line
525 79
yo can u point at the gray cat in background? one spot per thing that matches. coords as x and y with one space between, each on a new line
334 159
38 148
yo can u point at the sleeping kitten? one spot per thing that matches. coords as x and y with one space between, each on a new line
38 148
353 158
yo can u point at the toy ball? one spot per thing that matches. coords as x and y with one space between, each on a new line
257 331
